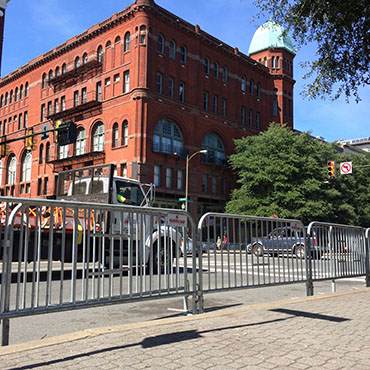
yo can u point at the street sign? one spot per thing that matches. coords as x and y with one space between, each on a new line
345 168
184 200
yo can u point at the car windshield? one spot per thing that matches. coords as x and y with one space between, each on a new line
129 193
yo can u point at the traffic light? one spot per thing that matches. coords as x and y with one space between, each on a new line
331 169
57 125
67 133
31 140
4 149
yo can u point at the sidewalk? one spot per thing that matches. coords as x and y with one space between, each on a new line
324 332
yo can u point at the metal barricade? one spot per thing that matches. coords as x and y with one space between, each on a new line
342 252
59 255
244 252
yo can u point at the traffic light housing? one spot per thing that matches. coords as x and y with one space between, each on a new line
66 133
331 170
31 140
4 148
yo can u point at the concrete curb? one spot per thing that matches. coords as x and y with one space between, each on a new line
90 333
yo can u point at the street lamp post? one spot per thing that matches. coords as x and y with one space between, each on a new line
188 158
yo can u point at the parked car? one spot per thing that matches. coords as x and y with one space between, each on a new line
284 240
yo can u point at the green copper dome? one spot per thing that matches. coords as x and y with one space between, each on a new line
268 36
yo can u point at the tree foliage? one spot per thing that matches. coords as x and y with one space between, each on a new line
341 30
284 173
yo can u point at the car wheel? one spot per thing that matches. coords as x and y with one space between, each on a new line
258 250
299 251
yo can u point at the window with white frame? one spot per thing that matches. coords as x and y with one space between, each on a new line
125 132
115 135
100 54
12 170
98 137
126 81
157 176
127 41
167 137
63 151
26 167
169 173
80 141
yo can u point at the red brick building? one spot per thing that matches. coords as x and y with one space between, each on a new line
145 89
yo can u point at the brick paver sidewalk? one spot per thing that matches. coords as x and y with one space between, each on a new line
323 332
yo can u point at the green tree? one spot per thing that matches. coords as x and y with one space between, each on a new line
341 30
282 172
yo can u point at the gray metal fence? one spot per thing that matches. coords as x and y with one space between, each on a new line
59 255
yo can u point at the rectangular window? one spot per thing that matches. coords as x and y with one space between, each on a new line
243 115
126 81
25 121
250 118
204 183
224 106
205 100
223 187
214 185
158 83
157 175
46 183
50 105
124 170
63 103
180 180
56 106
98 91
84 95
116 77
171 87
125 134
258 120
215 104
169 172
42 117
107 81
182 91
20 119
39 185
75 98
4 128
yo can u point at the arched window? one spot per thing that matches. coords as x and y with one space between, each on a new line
77 62
125 132
142 34
84 58
117 39
21 92
244 83
272 62
50 75
26 89
167 137
160 43
265 61
224 75
183 54
215 149
6 98
1 101
216 70
12 170
108 44
98 137
277 64
11 97
80 141
57 71
127 42
43 83
206 66
115 135
64 68
251 86
100 54
16 94
26 167
172 50
41 153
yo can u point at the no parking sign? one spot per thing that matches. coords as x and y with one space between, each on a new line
345 168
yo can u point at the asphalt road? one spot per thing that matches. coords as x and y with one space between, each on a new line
29 328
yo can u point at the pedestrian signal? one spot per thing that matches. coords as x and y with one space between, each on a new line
331 169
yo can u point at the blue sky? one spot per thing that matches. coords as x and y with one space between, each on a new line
35 27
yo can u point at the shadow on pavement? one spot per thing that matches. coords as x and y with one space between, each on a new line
309 315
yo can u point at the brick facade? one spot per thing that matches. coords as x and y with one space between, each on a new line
141 69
